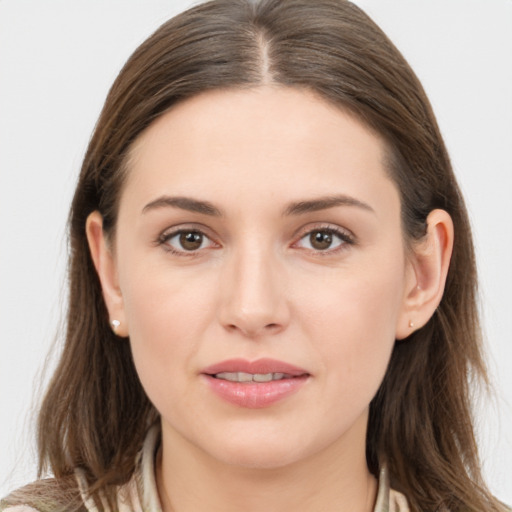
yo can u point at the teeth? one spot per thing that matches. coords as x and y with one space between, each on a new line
262 377
251 377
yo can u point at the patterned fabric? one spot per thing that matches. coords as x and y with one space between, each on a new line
140 493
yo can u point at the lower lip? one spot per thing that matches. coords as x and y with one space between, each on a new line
255 395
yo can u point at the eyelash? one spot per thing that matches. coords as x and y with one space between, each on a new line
166 236
346 239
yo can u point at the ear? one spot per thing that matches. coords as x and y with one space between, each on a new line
429 260
104 262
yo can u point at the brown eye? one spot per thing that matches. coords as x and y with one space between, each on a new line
191 240
325 239
320 240
186 241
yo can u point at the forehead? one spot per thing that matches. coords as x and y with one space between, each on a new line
263 140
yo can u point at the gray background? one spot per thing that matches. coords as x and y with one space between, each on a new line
57 61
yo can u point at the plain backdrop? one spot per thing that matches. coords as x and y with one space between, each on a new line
57 61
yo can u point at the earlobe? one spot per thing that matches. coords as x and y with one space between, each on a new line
427 272
104 262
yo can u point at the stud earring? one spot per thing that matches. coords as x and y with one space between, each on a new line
411 324
115 325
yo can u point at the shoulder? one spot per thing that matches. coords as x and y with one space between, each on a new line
18 508
48 495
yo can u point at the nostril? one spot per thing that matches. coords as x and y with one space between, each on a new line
254 330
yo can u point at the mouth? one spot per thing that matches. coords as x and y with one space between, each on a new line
251 377
265 368
255 384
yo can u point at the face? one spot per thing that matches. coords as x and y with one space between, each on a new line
261 272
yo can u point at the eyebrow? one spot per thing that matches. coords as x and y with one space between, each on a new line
184 203
296 208
323 203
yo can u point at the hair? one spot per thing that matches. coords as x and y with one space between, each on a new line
96 414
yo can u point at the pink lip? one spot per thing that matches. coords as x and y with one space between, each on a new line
259 366
255 395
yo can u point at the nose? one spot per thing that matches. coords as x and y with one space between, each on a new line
253 294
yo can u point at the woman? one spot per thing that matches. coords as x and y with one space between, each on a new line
272 283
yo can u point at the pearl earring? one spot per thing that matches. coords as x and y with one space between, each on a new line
115 325
411 324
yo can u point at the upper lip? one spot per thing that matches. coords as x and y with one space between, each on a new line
260 366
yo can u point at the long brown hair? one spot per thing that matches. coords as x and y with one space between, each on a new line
95 414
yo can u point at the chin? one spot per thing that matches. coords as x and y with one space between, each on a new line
265 458
273 453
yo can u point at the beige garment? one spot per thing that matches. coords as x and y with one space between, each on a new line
140 493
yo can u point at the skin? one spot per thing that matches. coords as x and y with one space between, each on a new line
257 287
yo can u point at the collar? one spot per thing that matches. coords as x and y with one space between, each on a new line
140 493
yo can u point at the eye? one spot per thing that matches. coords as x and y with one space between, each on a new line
324 239
186 240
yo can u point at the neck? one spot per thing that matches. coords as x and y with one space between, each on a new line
335 479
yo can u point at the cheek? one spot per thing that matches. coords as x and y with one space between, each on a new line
160 302
352 320
166 317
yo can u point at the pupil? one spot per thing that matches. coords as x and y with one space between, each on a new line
191 241
321 240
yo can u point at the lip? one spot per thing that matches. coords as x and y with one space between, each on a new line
264 365
255 395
